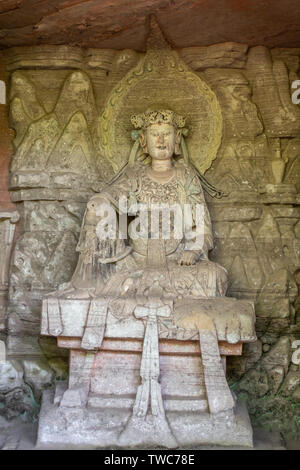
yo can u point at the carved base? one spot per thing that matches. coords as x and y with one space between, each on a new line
95 427
141 391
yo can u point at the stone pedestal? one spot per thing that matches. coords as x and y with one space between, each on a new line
101 427
95 408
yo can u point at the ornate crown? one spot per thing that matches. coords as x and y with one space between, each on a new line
162 116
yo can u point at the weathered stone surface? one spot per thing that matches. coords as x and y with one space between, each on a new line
255 382
280 116
219 55
276 376
44 216
7 230
120 25
279 355
242 166
270 330
38 375
41 254
15 395
232 88
291 154
60 367
61 139
274 412
11 375
150 303
22 344
237 366
234 320
239 257
290 56
256 227
279 291
291 382
58 57
63 421
296 395
39 257
234 213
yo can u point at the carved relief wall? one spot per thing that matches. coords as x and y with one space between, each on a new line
7 229
57 95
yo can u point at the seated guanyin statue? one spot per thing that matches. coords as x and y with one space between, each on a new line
145 314
175 263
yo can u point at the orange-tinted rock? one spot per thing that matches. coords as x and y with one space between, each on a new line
118 24
6 149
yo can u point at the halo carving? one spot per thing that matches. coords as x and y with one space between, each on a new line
161 80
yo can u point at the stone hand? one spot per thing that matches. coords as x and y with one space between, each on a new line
188 258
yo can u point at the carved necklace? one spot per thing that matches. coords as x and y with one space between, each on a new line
152 192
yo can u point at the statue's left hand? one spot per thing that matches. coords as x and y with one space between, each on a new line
188 258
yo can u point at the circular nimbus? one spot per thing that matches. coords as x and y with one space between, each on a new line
172 86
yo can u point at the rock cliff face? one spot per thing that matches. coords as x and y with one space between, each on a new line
118 24
56 95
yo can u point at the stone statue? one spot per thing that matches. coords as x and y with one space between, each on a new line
145 316
111 266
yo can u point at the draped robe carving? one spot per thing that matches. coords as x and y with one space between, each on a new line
204 279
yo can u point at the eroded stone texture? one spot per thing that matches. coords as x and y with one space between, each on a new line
44 257
122 24
229 55
7 230
270 78
16 396
135 292
256 227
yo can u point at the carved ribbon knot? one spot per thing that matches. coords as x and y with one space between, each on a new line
149 391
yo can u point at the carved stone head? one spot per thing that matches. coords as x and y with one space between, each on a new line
160 132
